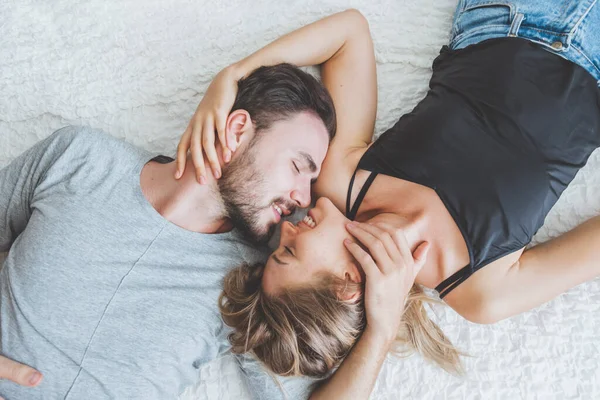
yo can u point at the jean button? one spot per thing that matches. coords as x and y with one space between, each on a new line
557 45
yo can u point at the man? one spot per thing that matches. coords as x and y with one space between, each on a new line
114 267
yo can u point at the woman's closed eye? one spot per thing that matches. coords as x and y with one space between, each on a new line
289 251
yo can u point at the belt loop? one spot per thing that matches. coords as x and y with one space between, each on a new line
516 24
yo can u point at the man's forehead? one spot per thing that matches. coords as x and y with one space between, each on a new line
303 121
303 136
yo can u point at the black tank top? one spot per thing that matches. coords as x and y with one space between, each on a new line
503 129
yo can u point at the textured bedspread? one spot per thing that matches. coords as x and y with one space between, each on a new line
138 68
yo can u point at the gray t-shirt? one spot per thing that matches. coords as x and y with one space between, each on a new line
98 291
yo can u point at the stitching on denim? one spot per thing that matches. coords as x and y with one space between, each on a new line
546 31
489 3
511 7
580 51
585 14
476 30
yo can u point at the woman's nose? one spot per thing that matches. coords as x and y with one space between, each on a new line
288 230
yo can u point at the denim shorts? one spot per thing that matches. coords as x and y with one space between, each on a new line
570 29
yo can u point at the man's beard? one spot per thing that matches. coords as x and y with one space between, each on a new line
241 187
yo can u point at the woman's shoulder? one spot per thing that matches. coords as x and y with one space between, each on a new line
336 172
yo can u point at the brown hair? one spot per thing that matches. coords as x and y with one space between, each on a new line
273 93
308 331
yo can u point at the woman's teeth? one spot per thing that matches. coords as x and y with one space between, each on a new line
309 221
278 209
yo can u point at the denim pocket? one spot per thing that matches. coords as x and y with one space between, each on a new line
480 15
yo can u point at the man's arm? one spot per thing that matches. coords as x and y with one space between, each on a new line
19 180
18 183
15 196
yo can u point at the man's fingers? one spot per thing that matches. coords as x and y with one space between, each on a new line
19 373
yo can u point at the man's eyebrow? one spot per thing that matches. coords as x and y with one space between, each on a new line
312 166
278 261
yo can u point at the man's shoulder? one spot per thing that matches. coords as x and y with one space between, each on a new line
93 145
86 137
249 252
265 385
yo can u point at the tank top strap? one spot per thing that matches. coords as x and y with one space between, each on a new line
351 212
453 281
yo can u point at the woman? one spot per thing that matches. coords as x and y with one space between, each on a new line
513 112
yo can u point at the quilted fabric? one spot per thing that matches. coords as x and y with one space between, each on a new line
138 69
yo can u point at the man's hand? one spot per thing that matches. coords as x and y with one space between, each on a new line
19 373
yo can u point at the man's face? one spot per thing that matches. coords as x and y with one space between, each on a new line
273 175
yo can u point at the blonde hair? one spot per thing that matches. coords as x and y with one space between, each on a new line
308 331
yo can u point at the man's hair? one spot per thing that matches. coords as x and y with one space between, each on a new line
274 93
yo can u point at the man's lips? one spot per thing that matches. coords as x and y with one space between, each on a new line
276 213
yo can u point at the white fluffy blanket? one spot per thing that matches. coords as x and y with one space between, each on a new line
138 68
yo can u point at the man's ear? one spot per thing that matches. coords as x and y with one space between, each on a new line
239 128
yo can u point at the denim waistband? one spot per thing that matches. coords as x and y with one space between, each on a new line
570 29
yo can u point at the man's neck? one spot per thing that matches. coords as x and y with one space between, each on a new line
184 202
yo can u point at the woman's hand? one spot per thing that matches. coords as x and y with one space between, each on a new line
390 268
211 115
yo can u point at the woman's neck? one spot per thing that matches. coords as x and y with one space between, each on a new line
419 212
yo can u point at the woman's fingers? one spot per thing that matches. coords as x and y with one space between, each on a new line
386 238
420 256
364 259
197 157
182 150
208 145
388 246
399 240
220 123
368 237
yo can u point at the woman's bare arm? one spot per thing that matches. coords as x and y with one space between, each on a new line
340 43
540 274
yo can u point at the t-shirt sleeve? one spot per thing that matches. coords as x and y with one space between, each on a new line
267 386
19 180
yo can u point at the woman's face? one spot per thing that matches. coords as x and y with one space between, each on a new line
310 249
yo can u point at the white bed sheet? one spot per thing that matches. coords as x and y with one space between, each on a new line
138 68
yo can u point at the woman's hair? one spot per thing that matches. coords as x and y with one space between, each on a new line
307 331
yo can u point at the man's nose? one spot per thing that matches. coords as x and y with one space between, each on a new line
301 195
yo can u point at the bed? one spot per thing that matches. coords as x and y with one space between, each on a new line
137 69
